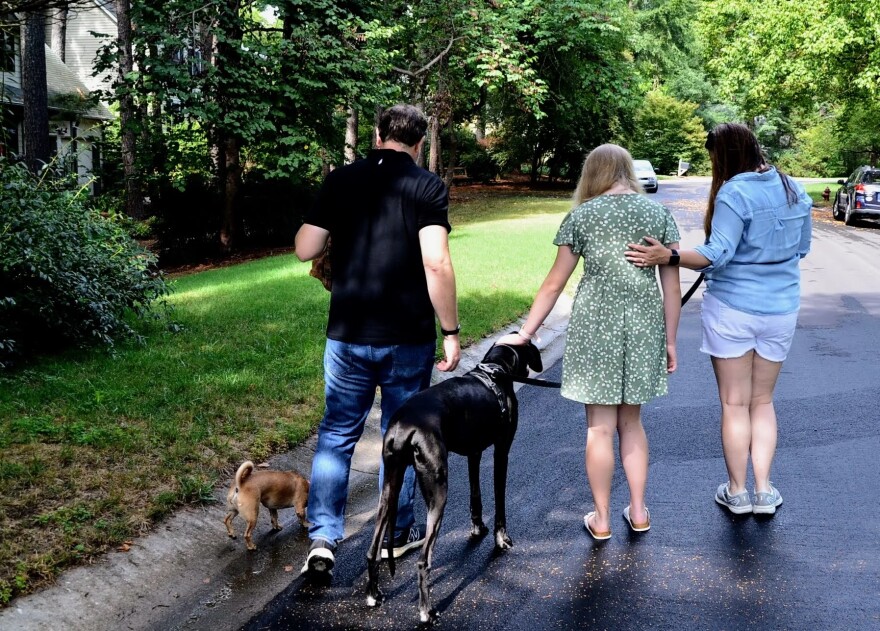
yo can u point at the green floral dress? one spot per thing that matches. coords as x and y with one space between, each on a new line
615 350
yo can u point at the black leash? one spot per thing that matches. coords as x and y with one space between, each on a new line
690 292
556 384
535 382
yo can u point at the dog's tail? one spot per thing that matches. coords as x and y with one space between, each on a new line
243 473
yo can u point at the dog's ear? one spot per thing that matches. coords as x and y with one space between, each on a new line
533 358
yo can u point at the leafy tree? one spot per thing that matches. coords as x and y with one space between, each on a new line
798 60
216 87
667 130
667 50
817 148
452 57
581 54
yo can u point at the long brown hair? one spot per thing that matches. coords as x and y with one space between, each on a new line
734 149
605 166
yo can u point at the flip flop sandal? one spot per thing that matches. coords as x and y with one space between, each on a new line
643 527
598 536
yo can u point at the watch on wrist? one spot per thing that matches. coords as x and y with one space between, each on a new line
674 258
455 331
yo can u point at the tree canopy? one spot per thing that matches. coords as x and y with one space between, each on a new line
224 95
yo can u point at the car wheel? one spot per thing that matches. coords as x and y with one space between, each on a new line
848 217
835 208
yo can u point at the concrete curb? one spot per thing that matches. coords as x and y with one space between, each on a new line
188 574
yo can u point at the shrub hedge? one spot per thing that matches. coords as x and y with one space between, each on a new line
68 275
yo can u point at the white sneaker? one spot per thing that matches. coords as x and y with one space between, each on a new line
321 559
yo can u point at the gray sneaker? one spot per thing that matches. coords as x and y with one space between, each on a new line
738 504
766 502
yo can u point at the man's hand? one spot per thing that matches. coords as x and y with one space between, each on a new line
451 354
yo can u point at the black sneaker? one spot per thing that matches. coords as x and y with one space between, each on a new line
321 559
403 544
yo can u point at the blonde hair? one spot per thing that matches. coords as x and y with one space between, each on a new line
605 166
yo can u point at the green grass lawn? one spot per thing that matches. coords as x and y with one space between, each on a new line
95 448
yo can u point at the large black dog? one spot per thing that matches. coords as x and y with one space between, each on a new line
464 415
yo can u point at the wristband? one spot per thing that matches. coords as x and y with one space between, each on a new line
454 331
525 335
674 258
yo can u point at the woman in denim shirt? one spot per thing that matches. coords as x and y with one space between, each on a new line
758 228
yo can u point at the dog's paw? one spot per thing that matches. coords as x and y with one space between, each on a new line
277 527
374 600
479 530
502 540
251 546
428 616
232 535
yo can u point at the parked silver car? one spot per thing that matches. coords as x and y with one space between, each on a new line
858 196
647 175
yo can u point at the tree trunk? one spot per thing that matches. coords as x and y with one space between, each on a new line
536 163
227 57
59 32
434 140
453 154
134 198
37 150
351 135
231 148
480 130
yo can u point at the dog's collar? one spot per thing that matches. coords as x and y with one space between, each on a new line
485 374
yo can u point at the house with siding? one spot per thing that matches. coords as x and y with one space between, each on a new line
89 27
75 116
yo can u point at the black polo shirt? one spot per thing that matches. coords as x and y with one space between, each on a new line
374 209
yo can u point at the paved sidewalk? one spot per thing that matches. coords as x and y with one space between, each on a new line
188 574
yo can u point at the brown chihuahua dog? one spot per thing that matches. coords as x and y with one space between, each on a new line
272 489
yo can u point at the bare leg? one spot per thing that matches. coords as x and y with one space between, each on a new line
763 415
601 425
734 377
634 456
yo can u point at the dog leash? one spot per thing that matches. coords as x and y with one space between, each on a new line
690 292
534 382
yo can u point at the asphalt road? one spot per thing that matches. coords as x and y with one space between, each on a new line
814 565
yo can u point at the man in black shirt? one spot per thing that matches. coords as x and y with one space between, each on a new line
391 273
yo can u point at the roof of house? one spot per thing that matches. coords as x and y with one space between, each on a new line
66 92
108 5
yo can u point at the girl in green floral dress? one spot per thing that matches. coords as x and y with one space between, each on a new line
620 344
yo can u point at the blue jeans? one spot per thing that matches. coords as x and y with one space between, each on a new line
351 374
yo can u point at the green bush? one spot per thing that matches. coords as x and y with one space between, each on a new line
668 130
474 157
68 275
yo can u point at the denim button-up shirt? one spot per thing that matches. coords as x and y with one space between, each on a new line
757 241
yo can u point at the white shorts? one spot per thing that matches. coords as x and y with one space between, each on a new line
729 333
